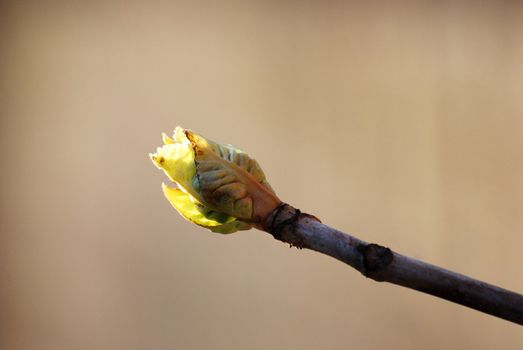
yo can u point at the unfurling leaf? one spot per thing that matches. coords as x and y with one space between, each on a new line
197 213
219 186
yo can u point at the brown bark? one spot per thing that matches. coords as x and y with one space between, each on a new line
382 264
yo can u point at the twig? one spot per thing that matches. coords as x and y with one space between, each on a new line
382 264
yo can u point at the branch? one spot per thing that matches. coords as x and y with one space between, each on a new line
384 265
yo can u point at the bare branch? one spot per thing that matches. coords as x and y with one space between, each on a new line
382 264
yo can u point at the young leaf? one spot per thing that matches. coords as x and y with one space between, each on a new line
229 179
195 212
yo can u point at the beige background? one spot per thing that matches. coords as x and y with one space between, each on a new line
400 122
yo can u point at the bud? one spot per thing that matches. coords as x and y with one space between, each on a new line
218 186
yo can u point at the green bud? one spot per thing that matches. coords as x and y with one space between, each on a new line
218 186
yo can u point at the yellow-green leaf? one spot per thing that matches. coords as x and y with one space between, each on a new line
195 212
176 159
227 177
231 154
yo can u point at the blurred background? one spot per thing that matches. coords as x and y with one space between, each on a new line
401 122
